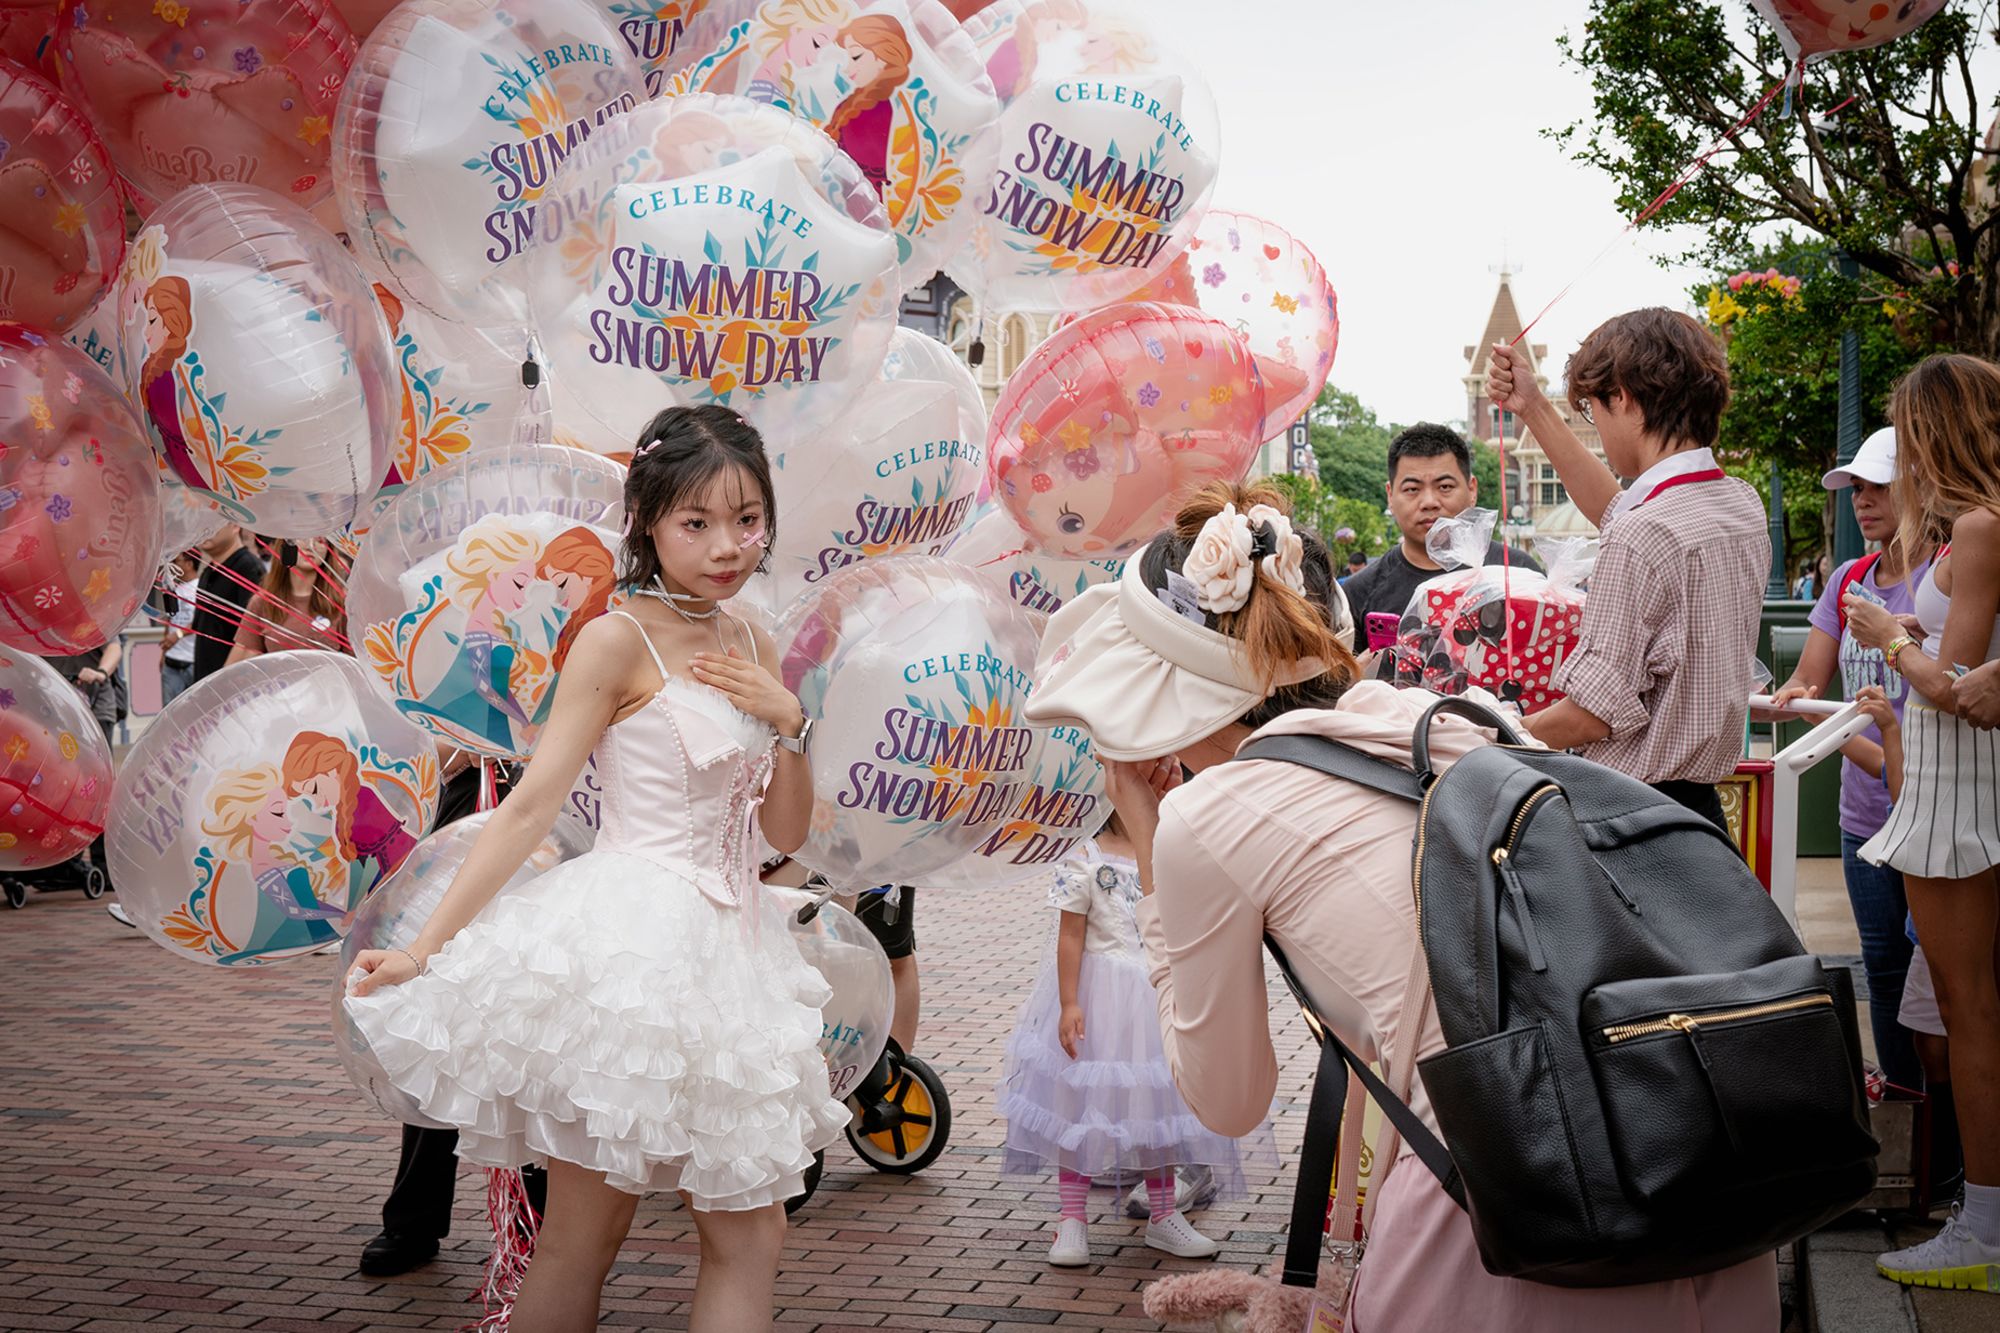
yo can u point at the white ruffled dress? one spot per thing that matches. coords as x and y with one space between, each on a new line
641 1010
1112 1113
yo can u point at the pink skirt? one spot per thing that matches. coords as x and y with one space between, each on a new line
1422 1273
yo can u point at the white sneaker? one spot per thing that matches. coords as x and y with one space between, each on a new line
1072 1244
1177 1236
1193 1187
1953 1258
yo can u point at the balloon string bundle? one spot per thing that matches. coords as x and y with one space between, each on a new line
515 1225
235 616
1660 201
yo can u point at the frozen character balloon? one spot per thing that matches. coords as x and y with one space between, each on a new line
169 321
334 814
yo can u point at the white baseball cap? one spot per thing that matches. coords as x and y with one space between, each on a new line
1874 461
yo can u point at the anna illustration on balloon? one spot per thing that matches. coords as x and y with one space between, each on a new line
874 60
197 447
580 569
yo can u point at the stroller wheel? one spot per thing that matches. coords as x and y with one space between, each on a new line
17 893
906 1129
808 1185
94 882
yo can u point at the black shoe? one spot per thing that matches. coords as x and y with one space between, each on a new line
390 1254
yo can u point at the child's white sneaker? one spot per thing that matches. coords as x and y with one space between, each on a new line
1177 1236
1193 1187
1072 1244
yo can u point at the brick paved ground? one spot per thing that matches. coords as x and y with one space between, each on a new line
180 1150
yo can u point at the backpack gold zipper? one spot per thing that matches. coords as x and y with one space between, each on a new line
1535 797
1689 1022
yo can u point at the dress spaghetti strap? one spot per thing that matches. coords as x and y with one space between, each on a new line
646 639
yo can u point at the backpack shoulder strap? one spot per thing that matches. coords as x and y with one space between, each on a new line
1856 572
1337 760
1303 1240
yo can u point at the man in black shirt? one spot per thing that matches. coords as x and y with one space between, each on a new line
1430 477
230 572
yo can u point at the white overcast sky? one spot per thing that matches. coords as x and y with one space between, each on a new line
1402 142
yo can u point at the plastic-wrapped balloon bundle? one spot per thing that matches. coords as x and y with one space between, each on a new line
1255 276
55 769
462 392
896 83
712 250
1815 29
65 233
258 811
79 499
992 545
897 474
391 919
1108 425
193 91
252 344
1108 153
916 671
1503 630
474 582
854 1024
451 131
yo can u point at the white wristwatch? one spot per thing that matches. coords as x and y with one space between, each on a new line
797 744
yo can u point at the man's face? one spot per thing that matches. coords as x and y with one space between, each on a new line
1424 490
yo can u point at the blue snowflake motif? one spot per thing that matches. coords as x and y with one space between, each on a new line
1149 394
6 698
247 60
1155 350
58 508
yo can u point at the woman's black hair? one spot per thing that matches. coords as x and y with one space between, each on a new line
677 457
1169 552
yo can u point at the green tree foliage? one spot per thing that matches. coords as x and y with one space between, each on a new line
1897 175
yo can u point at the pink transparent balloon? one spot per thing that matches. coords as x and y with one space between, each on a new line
188 92
55 769
28 34
1113 421
253 345
65 232
1814 29
458 114
896 83
1256 277
80 513
1108 154
992 545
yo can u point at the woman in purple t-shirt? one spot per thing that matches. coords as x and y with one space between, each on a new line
1876 892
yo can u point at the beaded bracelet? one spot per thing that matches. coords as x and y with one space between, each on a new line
414 959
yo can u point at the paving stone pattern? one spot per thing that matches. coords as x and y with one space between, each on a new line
180 1150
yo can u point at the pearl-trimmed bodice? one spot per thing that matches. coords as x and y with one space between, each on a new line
682 779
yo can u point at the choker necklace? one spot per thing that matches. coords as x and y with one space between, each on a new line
674 600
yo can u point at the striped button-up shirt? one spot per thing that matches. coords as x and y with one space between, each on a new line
1670 628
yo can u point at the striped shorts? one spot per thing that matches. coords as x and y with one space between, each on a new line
1947 823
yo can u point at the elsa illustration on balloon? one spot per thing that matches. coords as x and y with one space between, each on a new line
298 903
511 624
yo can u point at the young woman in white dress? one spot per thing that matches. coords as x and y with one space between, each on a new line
638 1018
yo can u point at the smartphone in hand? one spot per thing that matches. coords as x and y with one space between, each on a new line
1381 626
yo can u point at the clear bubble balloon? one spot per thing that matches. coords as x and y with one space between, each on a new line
55 767
1062 804
393 915
472 585
1257 278
454 123
712 250
896 83
187 92
854 1024
654 32
1108 154
916 671
898 474
1113 420
79 499
462 392
252 344
255 813
65 232
993 545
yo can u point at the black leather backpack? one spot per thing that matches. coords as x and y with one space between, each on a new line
1647 1075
